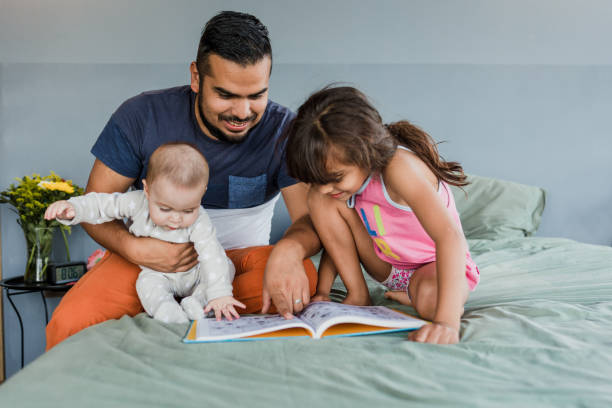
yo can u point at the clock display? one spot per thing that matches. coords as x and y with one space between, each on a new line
64 273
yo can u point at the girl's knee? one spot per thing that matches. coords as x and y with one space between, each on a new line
318 202
314 199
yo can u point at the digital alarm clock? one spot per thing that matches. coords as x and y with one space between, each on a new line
61 273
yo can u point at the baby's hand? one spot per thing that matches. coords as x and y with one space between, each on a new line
61 210
224 305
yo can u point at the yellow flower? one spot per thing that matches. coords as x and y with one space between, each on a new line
57 185
32 194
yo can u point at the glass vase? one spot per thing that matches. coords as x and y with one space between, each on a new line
39 242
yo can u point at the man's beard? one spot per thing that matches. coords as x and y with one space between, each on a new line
218 133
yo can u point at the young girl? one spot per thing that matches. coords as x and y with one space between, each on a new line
379 196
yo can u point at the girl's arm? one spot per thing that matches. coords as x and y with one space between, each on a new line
410 182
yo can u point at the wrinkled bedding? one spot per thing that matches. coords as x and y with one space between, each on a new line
537 332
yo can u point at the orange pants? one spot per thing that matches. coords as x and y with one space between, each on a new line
108 291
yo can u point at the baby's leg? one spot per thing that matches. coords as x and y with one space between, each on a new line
194 304
157 298
346 240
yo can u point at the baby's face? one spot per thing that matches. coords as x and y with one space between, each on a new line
171 206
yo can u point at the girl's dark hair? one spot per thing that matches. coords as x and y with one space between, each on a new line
340 121
234 36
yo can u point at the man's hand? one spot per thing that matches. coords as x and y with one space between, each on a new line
285 281
162 256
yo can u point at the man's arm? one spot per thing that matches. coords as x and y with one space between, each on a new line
285 278
150 252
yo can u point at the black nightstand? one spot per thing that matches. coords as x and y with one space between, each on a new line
16 286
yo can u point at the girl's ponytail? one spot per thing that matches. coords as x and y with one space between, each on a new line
425 148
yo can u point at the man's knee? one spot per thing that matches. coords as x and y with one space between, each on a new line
106 292
79 312
67 319
256 259
250 267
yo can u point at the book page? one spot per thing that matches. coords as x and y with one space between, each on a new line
321 315
210 329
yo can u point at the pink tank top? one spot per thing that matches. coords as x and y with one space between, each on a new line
397 234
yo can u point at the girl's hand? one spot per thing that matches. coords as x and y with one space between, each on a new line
224 305
436 333
61 210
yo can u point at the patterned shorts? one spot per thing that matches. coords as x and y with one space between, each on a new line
398 279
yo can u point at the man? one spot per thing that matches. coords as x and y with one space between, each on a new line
226 114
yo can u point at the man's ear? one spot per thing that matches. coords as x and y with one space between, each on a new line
195 77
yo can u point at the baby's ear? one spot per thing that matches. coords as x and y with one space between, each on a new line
145 187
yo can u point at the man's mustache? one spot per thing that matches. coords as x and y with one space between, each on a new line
237 119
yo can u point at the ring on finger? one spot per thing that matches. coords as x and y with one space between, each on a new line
297 301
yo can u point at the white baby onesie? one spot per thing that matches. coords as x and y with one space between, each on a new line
210 279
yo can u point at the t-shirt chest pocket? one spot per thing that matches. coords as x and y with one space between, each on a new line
247 191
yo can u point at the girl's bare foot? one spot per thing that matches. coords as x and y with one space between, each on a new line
399 296
320 298
357 300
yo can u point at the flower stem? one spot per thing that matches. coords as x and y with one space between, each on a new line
66 244
31 255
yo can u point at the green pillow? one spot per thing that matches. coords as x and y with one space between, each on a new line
495 209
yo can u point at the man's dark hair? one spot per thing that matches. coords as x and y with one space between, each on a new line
238 37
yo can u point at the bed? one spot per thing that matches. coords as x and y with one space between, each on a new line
537 332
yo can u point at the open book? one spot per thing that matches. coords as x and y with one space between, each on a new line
318 319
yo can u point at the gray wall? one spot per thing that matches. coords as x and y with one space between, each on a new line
518 89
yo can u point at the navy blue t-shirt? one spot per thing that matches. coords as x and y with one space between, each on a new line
242 175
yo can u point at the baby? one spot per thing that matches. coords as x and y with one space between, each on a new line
168 209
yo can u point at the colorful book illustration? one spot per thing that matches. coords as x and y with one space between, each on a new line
317 320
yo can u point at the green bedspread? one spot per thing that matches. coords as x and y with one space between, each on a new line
537 332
